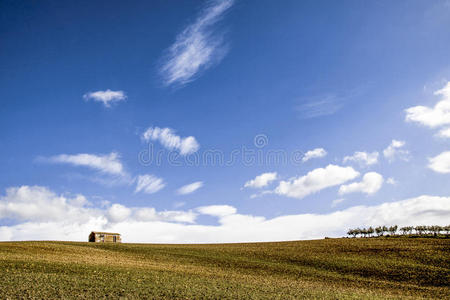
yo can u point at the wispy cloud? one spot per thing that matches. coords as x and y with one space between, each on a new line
328 103
149 184
190 188
444 133
325 107
217 210
363 158
107 97
105 163
171 141
315 153
261 181
394 150
197 47
391 181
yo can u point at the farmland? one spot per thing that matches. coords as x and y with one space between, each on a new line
364 268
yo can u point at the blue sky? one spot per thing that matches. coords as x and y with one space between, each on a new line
354 95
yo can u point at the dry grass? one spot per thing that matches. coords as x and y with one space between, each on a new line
323 269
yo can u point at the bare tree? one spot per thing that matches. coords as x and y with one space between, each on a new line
393 229
447 229
353 232
404 230
379 230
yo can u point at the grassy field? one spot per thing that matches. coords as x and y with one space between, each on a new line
374 268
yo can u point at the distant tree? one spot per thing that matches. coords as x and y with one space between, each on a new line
410 229
407 230
447 229
352 232
379 230
419 229
393 229
404 230
363 232
435 229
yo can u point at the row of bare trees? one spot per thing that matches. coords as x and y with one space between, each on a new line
434 230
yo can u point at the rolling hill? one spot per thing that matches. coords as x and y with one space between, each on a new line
366 268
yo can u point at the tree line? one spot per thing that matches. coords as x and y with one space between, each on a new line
433 230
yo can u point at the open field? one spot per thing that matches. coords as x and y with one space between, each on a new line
376 268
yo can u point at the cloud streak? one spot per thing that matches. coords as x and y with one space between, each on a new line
149 184
364 159
107 97
105 163
197 47
315 153
394 150
261 181
190 188
324 107
169 140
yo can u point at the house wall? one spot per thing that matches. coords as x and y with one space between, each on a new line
107 238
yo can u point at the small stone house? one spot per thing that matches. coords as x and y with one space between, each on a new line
104 237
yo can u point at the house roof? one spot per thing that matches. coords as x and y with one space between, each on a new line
105 232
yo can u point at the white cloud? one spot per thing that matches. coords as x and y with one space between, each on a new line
440 163
107 97
444 133
316 180
149 184
262 180
149 214
170 140
217 210
432 117
118 213
394 150
391 180
69 220
38 204
363 158
197 47
260 194
316 153
190 188
370 184
106 163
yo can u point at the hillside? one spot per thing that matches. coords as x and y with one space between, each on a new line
331 268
